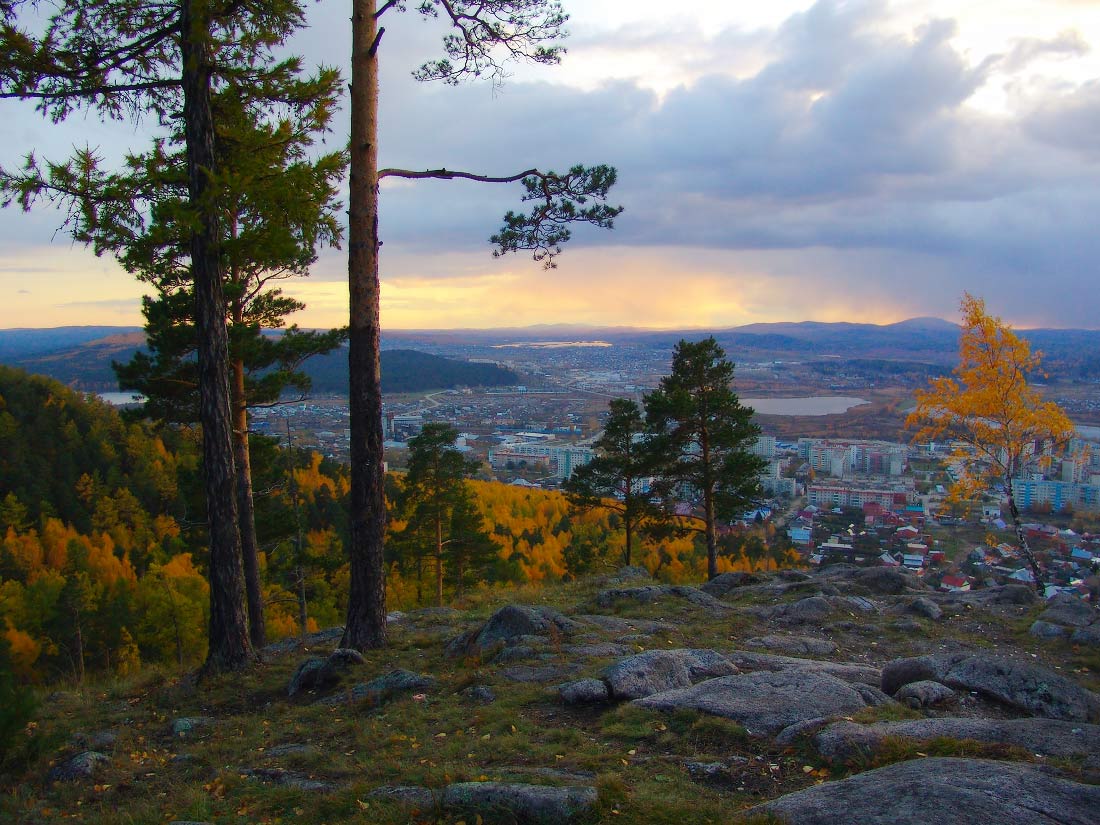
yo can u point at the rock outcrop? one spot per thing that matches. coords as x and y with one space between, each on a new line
767 702
845 741
660 670
1031 688
945 792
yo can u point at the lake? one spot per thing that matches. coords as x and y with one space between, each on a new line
815 405
119 399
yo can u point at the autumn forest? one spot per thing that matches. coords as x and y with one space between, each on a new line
103 559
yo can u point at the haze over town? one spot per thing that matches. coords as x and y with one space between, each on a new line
827 161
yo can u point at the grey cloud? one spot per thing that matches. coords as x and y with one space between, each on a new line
1067 44
1070 122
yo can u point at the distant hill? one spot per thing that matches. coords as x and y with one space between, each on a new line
86 365
80 356
24 343
406 370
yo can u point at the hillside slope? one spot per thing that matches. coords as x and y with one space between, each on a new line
751 689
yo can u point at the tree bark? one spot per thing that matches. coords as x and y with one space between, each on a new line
229 647
1021 537
366 621
246 512
438 559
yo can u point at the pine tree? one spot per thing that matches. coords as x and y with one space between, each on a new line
483 34
167 60
437 502
614 480
701 436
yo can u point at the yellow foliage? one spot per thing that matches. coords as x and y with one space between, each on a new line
987 407
182 566
25 651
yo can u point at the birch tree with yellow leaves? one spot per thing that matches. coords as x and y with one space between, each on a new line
1000 425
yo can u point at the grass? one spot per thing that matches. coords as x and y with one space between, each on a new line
635 756
897 749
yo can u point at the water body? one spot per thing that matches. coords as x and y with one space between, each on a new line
120 399
1090 432
815 405
551 344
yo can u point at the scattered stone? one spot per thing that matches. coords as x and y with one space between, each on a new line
539 673
382 688
188 725
925 694
1046 630
411 795
102 740
310 675
943 791
887 581
853 672
767 702
500 801
797 645
908 626
1034 689
659 670
811 610
515 654
858 604
1087 636
1065 609
863 628
793 576
710 772
316 673
1013 594
318 639
653 593
75 768
923 606
842 742
601 650
479 693
723 583
345 658
792 733
506 627
630 573
578 777
288 779
583 692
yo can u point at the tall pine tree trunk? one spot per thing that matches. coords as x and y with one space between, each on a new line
246 512
439 559
229 647
366 622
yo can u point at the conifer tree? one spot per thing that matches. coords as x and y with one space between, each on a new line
614 479
483 35
438 504
167 60
701 435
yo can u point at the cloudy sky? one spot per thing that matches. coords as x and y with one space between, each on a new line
862 160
